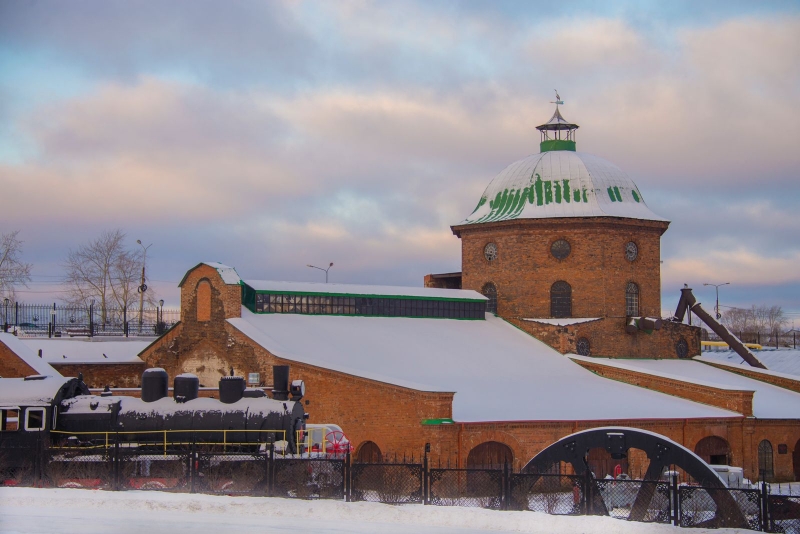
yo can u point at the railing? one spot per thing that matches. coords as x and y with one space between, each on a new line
766 339
244 467
44 320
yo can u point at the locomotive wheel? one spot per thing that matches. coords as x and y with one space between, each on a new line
339 444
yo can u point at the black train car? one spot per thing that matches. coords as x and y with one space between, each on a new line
33 407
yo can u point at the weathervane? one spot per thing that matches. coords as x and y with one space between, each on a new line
558 99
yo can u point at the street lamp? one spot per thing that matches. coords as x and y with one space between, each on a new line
160 322
143 287
717 286
321 269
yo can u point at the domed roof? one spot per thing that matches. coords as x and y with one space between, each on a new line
560 183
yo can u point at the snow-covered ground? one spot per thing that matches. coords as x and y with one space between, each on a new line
780 360
72 511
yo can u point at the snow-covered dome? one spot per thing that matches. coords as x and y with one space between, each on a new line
561 183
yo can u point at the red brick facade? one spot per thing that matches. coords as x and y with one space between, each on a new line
391 416
12 366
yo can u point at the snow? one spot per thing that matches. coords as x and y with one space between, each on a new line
166 405
498 373
508 195
769 402
76 511
226 272
30 357
87 350
563 322
784 361
363 290
21 392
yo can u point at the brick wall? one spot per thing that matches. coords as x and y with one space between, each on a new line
12 366
740 401
608 338
100 375
596 267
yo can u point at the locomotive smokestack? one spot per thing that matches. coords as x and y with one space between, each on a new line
280 382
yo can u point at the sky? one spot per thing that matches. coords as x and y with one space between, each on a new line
271 135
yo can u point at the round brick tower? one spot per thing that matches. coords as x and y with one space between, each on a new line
561 237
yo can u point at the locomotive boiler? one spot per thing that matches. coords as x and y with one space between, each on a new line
62 411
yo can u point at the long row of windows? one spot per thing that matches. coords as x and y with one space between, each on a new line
386 307
561 299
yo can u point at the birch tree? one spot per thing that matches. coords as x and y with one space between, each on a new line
13 271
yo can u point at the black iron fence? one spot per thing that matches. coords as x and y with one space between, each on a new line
59 320
195 467
775 339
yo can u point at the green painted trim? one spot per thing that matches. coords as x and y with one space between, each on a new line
439 421
359 295
389 316
556 144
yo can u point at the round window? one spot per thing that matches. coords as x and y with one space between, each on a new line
682 348
582 346
631 251
560 249
490 252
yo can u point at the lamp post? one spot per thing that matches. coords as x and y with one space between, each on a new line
160 319
321 269
717 286
143 287
6 302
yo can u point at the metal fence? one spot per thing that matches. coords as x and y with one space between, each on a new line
197 467
778 340
44 320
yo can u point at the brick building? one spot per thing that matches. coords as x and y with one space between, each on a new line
565 247
566 253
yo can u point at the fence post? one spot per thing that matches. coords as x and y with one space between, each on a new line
125 320
347 477
673 489
425 479
505 483
193 463
91 319
116 467
270 468
765 510
587 493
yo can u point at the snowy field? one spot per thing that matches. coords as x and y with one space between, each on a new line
73 511
780 360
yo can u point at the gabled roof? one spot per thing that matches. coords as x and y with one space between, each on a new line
27 355
498 372
94 350
31 391
227 273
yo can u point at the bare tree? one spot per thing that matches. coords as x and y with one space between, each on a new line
103 270
13 271
767 319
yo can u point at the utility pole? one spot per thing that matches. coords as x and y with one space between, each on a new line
143 286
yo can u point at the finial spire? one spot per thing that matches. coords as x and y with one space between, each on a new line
556 125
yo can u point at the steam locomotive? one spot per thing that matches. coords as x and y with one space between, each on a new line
61 411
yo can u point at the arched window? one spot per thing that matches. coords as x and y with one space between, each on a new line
489 291
632 300
203 301
713 450
561 299
490 455
765 471
369 453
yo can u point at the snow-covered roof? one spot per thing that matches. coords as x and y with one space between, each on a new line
27 355
784 361
498 373
363 290
560 183
38 392
769 402
167 405
226 272
562 322
87 350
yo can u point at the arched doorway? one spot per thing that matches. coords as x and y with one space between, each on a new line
369 453
490 455
796 460
765 469
713 450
